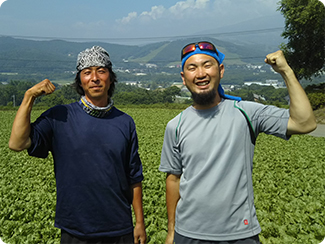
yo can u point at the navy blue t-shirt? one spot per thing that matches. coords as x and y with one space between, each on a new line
96 161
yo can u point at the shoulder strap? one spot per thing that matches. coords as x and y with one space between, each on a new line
249 122
179 121
250 125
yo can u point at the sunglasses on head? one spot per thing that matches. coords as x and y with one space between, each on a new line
202 45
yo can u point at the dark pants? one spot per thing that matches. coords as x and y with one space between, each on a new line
67 238
179 239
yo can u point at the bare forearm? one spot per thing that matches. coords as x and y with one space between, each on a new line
137 202
172 198
139 230
302 119
19 138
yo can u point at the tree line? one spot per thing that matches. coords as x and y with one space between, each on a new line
12 95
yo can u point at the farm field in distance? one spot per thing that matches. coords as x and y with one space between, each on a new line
288 179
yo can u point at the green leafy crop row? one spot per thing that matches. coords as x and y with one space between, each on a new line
288 182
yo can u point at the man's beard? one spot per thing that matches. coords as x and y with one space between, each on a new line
204 98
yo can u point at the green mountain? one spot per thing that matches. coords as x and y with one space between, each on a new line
57 56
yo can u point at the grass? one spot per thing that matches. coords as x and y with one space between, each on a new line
320 115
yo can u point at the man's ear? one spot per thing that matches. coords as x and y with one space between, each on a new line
221 70
182 75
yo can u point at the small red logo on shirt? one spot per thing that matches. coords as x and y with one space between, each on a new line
246 222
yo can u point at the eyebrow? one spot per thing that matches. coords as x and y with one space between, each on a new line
97 68
195 64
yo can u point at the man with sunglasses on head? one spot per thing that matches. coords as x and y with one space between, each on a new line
208 150
95 150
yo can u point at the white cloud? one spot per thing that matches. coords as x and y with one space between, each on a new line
2 1
189 8
131 16
156 12
180 9
188 5
197 15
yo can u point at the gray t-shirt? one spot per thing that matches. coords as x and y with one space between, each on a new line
213 152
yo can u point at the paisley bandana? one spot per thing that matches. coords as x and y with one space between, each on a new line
93 110
95 56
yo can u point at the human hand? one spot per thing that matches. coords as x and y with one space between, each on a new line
277 61
170 238
140 235
45 87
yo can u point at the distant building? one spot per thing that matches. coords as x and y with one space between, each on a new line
131 83
258 97
151 66
251 66
275 83
178 84
255 83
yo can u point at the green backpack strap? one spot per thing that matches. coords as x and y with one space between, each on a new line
249 122
179 121
250 125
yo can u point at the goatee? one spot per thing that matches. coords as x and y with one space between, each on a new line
204 98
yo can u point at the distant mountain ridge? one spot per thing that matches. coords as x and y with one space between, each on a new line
30 56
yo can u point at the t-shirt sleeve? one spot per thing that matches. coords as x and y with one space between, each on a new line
41 131
268 119
170 161
135 165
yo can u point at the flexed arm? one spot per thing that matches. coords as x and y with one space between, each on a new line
19 138
302 119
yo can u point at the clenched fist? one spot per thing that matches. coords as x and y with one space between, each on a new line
44 87
277 61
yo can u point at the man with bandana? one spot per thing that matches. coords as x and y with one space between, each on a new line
95 150
208 150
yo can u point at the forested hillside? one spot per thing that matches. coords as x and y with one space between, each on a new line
28 57
158 63
153 68
12 94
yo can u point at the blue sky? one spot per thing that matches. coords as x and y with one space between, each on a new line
119 20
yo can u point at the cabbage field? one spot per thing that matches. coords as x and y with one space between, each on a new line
289 184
